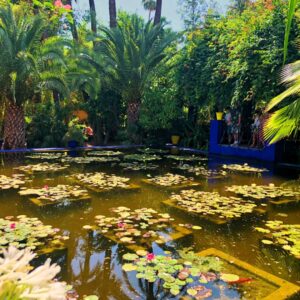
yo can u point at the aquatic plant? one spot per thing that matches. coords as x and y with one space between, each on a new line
136 166
89 159
24 232
57 194
105 153
188 274
243 168
103 181
202 171
286 236
212 204
261 192
153 151
142 157
13 182
46 156
190 158
42 167
170 179
128 226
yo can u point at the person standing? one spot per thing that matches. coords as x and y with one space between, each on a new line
236 125
228 122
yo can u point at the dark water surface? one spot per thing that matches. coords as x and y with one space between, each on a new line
93 266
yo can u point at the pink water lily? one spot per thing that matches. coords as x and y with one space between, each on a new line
121 225
58 3
67 7
150 256
46 187
12 226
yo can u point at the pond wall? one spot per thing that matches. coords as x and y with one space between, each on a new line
269 153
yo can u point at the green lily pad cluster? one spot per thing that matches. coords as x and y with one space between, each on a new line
90 159
42 167
188 274
142 157
13 182
202 171
137 166
261 192
243 168
131 226
105 153
46 156
102 181
24 232
170 179
213 204
153 151
187 158
58 194
287 236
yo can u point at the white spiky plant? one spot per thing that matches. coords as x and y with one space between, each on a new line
19 281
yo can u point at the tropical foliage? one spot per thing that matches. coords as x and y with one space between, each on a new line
137 80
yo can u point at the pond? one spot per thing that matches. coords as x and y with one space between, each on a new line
126 183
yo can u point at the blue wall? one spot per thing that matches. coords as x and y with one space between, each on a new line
270 153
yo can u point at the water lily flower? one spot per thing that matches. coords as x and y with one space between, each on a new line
46 187
121 225
58 3
67 7
150 256
12 226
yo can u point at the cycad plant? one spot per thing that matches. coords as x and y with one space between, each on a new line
132 51
29 65
285 121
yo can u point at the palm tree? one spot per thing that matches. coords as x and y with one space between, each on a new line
93 16
158 9
28 66
149 5
285 120
132 51
290 15
112 13
73 24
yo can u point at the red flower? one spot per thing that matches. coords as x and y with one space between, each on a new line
150 256
67 7
58 3
12 226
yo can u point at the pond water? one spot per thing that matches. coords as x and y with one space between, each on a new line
93 265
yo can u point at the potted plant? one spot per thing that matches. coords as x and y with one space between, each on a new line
75 135
176 132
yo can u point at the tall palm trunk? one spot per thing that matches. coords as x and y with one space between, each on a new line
14 127
93 16
133 111
112 14
73 25
157 17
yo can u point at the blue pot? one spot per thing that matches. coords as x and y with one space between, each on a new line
73 144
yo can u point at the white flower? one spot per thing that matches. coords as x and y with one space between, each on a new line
38 284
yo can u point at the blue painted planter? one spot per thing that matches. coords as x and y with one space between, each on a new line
270 153
73 144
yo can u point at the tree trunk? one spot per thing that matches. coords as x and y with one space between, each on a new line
93 16
14 127
133 112
157 17
73 26
112 14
